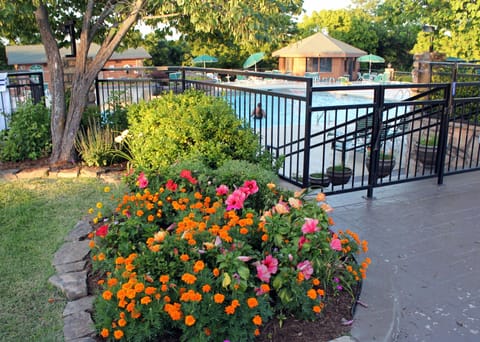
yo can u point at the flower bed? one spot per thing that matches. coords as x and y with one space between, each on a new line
193 261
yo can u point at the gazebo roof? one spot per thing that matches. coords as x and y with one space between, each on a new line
319 45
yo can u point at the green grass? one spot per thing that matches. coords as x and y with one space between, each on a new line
35 216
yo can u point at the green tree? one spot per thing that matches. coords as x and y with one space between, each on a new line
108 23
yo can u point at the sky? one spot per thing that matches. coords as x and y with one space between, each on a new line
317 5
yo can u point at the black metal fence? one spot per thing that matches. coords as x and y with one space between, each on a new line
339 135
17 89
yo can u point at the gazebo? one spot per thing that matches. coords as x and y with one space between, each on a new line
322 54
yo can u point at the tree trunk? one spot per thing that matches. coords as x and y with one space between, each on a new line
65 125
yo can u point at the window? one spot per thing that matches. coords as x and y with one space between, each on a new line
319 65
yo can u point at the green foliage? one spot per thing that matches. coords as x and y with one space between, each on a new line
188 126
95 145
116 114
28 135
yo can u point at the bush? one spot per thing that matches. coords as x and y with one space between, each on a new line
188 126
28 135
216 269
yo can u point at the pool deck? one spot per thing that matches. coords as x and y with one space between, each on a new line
424 242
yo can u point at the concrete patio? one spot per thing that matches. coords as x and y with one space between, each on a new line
424 242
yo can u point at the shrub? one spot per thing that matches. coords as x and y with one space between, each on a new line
28 136
188 126
193 260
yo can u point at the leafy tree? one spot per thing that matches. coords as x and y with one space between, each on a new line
108 23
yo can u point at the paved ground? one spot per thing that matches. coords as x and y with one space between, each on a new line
424 242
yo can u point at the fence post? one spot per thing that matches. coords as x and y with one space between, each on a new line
308 129
444 121
377 122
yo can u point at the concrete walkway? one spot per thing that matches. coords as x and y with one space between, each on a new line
424 242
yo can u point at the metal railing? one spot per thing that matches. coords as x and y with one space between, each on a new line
380 133
20 88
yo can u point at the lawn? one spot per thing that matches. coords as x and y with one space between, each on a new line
35 216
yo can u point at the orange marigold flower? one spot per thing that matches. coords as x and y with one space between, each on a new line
122 322
264 237
206 288
312 294
218 298
107 295
257 320
139 287
317 309
164 279
321 292
320 197
150 290
189 278
189 320
252 302
235 303
91 244
135 314
119 260
300 277
118 334
101 282
112 282
104 333
145 300
243 231
265 287
207 331
150 218
257 332
315 281
131 306
140 213
216 272
164 288
184 257
230 310
198 266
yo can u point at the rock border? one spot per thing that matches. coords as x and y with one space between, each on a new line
70 263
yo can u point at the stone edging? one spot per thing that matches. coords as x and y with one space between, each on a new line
70 262
106 174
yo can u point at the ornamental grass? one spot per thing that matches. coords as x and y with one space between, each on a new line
191 260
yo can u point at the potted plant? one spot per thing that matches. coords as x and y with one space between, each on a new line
386 163
318 180
339 174
426 150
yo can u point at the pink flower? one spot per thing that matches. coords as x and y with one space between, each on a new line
142 181
271 263
301 241
171 185
236 200
249 187
310 226
244 258
306 268
222 190
335 244
187 174
102 231
262 273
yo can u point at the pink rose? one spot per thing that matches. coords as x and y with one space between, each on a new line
271 263
142 181
250 187
236 200
336 244
171 185
262 273
222 190
306 268
310 226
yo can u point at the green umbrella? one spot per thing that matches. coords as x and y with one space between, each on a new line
371 59
253 60
204 59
